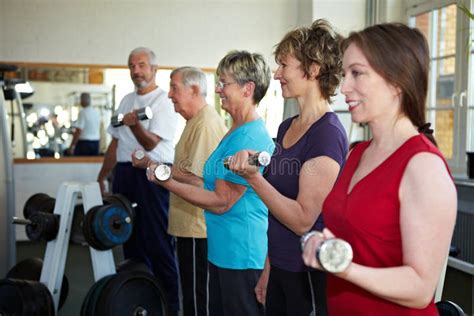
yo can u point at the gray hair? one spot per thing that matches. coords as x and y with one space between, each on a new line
151 55
192 76
247 67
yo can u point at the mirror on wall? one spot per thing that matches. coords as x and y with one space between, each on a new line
40 125
54 103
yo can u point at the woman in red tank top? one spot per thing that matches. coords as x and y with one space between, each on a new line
395 201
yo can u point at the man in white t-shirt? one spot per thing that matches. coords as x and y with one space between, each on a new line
150 243
85 140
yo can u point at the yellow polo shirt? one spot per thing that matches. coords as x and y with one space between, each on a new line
200 137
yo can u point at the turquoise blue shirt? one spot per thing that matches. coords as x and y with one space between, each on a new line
237 239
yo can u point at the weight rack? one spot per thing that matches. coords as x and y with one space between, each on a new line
56 250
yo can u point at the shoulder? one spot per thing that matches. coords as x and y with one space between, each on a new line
209 114
328 131
128 97
255 130
330 125
425 163
426 168
253 135
160 96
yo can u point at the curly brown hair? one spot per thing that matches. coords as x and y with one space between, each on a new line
317 44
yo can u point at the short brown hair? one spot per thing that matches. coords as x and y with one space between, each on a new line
317 44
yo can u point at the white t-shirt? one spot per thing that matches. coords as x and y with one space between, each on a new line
89 123
163 124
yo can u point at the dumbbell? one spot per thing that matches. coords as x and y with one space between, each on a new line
143 114
259 159
162 172
139 154
334 254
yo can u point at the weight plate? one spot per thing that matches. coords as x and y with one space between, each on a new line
110 227
88 307
21 297
88 230
131 293
120 200
44 226
448 308
132 264
39 202
30 269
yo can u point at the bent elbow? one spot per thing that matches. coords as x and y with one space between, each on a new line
218 209
150 146
421 301
303 228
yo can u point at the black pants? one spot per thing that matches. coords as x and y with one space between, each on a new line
192 259
150 242
232 292
87 148
296 293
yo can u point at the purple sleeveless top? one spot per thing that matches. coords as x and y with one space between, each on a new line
326 137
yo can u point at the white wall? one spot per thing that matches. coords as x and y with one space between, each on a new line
194 32
344 15
103 31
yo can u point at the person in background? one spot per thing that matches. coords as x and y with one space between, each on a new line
201 135
311 150
86 136
150 243
395 201
236 218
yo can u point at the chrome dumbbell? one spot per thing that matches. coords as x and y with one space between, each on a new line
162 172
143 114
259 159
334 254
139 154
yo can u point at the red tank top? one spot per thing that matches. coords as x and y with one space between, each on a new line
368 218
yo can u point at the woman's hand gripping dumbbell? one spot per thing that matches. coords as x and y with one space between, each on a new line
321 250
246 163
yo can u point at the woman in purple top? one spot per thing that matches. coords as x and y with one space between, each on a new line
310 152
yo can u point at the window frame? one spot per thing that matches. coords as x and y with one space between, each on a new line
461 95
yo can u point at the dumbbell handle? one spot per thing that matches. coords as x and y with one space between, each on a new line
118 223
21 221
259 159
143 114
126 220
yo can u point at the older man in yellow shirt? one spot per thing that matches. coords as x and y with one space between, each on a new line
203 131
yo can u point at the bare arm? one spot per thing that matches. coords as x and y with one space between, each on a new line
110 159
317 177
75 139
187 177
427 217
180 175
219 201
261 287
146 138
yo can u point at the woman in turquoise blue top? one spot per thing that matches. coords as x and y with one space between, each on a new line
236 218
